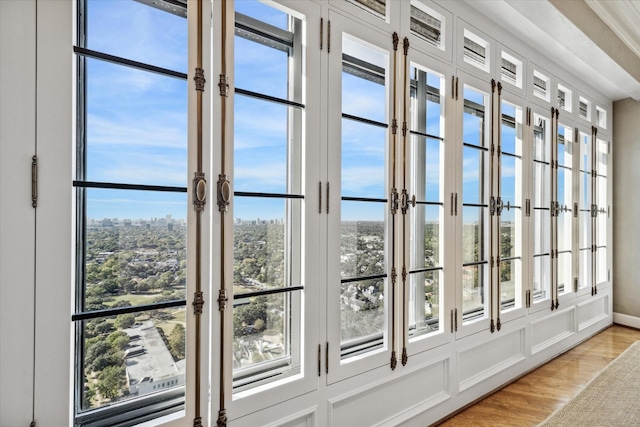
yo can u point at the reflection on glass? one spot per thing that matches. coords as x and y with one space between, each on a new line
584 272
152 35
472 234
601 229
362 316
424 308
136 126
132 355
540 140
585 230
262 243
473 292
260 330
541 231
585 153
272 63
509 242
565 275
378 7
510 175
565 148
541 181
509 271
427 170
564 230
260 146
426 242
601 219
472 175
602 157
362 242
426 102
363 159
511 130
564 188
363 81
601 266
263 12
135 249
585 190
541 277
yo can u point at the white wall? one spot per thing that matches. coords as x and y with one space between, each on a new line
626 205
17 216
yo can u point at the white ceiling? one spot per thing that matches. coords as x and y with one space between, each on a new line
540 24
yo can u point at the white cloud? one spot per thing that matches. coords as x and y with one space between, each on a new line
165 130
362 180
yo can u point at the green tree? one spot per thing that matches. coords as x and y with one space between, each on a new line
177 342
124 321
111 381
118 340
95 350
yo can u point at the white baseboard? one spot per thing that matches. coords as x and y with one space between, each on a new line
626 320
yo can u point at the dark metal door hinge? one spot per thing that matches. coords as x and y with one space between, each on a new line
326 359
327 197
34 181
452 330
319 359
455 204
453 87
321 32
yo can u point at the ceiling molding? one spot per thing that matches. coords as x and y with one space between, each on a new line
572 34
622 17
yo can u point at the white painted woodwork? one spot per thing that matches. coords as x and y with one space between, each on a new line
444 372
17 217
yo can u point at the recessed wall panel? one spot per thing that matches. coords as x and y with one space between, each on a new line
421 388
477 363
551 329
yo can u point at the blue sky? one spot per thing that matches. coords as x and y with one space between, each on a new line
137 121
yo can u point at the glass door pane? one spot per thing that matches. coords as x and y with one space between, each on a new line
363 232
602 269
475 205
510 203
540 202
565 212
426 182
584 213
269 199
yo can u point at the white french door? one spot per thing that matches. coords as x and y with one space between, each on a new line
360 179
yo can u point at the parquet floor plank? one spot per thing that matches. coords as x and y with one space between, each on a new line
532 398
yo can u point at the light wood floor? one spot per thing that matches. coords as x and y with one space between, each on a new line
531 399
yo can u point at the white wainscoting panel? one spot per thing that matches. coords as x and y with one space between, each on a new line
404 397
592 311
552 329
489 357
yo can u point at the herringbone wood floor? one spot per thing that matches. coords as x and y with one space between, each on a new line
531 399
